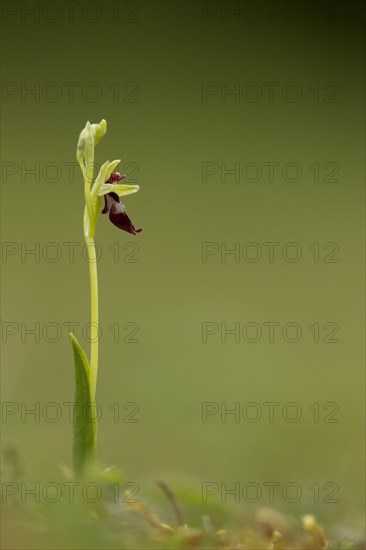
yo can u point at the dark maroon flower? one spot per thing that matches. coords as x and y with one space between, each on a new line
116 210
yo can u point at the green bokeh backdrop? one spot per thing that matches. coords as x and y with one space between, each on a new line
169 51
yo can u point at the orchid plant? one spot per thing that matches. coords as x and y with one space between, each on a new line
106 185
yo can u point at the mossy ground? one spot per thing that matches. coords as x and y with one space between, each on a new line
158 519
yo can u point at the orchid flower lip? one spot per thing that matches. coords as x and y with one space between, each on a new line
117 212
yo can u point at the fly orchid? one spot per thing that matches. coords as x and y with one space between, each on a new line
106 184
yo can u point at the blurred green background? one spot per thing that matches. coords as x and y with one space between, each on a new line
160 55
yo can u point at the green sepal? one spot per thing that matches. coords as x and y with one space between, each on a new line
104 174
84 432
121 189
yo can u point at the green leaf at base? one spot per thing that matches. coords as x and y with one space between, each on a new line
84 412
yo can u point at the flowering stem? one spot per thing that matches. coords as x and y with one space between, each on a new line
94 315
86 372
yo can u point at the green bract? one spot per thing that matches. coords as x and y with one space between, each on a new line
92 214
89 137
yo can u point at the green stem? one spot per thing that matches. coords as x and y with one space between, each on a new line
94 315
